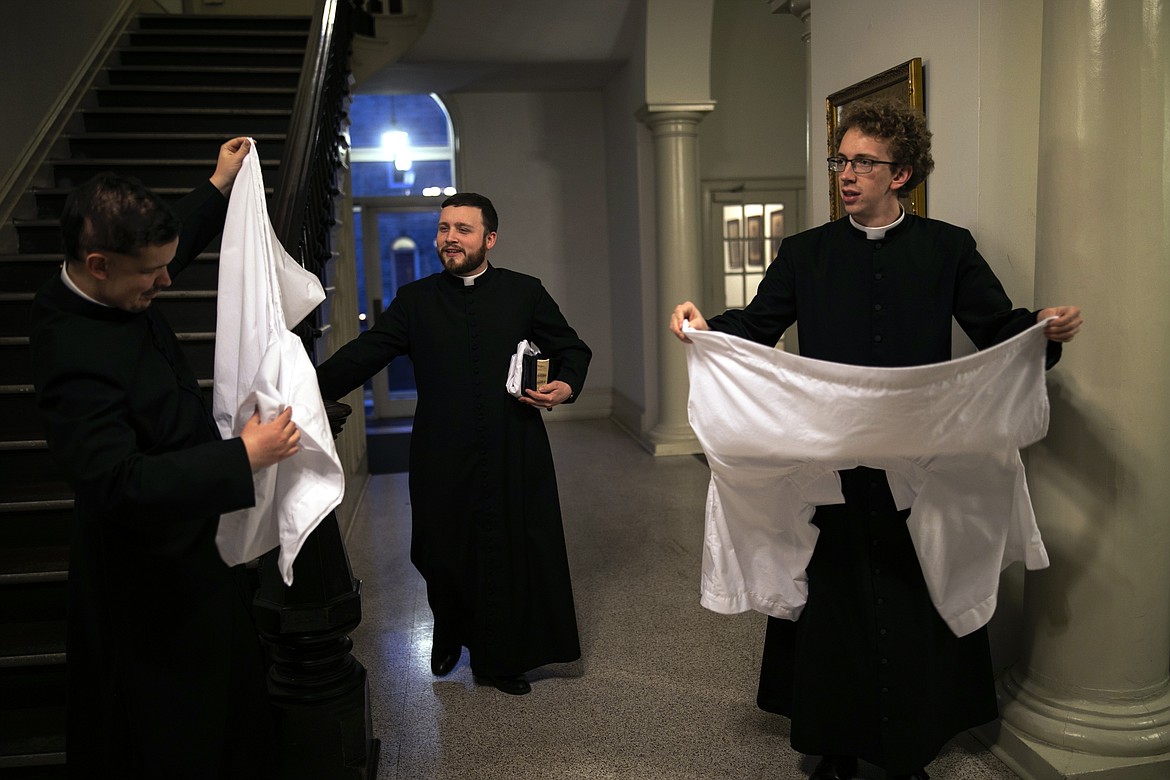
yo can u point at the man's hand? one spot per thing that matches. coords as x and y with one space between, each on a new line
686 311
547 396
270 443
1065 326
227 167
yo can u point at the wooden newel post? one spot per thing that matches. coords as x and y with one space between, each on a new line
318 688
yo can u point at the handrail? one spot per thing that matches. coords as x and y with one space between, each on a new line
319 690
302 212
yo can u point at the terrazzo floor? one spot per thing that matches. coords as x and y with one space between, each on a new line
665 689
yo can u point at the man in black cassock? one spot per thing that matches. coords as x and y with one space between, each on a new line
870 670
166 677
486 520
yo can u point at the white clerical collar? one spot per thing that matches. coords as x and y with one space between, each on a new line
72 286
469 281
875 233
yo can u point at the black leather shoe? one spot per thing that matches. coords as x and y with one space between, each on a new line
917 774
443 659
835 768
516 685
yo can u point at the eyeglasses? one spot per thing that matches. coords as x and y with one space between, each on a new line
861 165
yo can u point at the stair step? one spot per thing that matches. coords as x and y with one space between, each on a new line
197 55
34 601
36 523
33 643
29 473
195 97
27 272
49 202
15 361
32 722
16 367
187 311
222 22
22 565
153 173
14 316
227 122
247 39
196 146
19 419
182 75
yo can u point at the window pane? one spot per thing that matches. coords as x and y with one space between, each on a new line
733 291
419 115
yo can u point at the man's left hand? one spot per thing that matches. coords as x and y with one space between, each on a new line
1065 325
548 396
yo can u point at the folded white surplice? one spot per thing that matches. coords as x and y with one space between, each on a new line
261 364
515 381
776 429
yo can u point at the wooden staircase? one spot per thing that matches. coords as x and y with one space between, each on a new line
172 92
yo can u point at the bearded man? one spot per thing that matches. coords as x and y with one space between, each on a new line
486 520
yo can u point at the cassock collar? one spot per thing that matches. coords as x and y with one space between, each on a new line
458 281
906 221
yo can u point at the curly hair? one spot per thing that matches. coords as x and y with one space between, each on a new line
901 126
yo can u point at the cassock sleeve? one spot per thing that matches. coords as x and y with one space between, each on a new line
773 309
202 212
366 355
557 339
982 308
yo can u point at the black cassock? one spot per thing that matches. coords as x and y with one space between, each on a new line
166 677
870 669
486 519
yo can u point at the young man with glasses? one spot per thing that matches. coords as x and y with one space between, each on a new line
880 678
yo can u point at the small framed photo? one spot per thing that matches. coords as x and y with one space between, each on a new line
732 246
755 241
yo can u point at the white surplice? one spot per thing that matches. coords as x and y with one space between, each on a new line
261 364
776 429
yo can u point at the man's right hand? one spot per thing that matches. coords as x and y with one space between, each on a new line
228 165
686 311
270 443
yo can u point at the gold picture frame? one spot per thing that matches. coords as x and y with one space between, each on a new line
902 83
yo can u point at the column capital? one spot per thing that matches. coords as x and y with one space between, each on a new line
801 9
654 114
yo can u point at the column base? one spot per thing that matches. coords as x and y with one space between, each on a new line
1047 734
1033 760
672 440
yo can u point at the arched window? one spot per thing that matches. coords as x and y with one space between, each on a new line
402 165
402 146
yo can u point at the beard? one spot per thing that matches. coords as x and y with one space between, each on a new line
465 263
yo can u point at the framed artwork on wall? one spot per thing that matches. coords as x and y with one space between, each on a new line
733 246
755 241
902 83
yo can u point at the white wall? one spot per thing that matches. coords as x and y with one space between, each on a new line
34 85
630 209
678 50
757 129
540 157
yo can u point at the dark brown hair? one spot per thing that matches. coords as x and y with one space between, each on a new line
901 126
117 214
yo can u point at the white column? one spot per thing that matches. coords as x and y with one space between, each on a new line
1090 696
675 128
